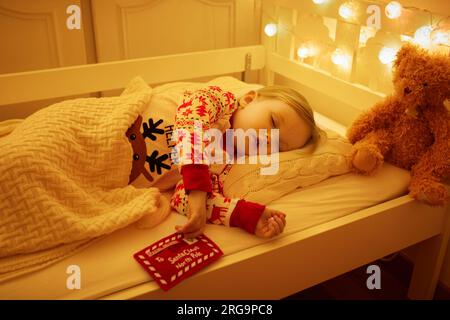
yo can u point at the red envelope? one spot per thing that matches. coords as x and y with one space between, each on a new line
173 258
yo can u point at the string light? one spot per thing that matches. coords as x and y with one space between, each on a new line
270 29
422 36
387 55
393 10
425 36
346 11
306 51
303 52
340 58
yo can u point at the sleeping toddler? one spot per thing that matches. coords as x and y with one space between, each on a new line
284 114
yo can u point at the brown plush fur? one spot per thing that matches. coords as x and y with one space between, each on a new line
411 127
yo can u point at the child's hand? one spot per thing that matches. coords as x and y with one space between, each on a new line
196 216
270 224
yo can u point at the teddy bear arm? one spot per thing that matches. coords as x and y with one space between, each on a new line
427 176
367 154
434 165
439 153
438 120
378 117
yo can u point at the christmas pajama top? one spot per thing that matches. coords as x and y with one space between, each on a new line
157 152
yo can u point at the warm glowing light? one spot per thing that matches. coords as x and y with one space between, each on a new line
387 55
319 1
346 11
304 52
422 36
393 10
271 29
440 37
340 58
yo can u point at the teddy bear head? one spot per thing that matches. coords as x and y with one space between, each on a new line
421 78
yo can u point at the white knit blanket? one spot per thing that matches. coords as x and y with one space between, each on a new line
64 180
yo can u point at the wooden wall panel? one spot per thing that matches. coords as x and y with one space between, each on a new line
34 36
127 29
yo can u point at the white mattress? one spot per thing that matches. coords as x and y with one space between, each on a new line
108 266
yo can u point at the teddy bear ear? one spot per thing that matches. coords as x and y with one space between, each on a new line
407 51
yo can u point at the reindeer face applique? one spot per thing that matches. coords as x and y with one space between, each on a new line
155 161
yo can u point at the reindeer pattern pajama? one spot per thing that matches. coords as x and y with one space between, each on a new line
213 108
210 107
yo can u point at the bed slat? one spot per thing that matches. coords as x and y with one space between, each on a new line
60 82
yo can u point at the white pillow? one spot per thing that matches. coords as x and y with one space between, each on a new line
297 168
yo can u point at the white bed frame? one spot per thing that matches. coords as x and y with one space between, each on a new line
289 264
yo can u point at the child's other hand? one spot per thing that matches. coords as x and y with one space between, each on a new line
196 216
271 223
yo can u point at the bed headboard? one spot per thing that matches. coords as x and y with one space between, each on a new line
341 94
61 82
38 85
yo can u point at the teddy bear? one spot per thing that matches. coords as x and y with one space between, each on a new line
411 127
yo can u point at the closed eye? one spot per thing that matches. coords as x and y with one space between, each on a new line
273 122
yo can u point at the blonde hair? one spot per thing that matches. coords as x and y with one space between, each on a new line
299 103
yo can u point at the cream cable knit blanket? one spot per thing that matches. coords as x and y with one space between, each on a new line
64 180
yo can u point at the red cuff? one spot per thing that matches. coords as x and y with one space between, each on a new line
246 215
196 177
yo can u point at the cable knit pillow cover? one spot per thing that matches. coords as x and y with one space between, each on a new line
297 168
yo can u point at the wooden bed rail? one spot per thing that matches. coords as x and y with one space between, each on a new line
67 81
302 259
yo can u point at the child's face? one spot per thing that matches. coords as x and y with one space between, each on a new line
264 113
